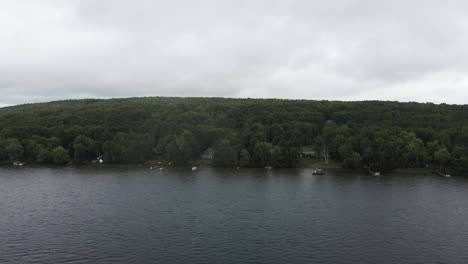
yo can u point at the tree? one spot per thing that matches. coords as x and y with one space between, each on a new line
277 159
178 151
114 152
414 155
138 148
346 151
284 157
353 161
3 154
442 156
325 140
244 158
59 155
385 135
225 155
262 154
83 148
14 149
42 154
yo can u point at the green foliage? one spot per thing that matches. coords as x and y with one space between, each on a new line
352 161
42 154
59 155
442 156
244 158
83 148
114 152
285 157
225 154
262 154
244 132
14 149
181 149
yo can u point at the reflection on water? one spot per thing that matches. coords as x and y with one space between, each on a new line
129 214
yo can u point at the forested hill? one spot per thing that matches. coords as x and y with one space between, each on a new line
242 132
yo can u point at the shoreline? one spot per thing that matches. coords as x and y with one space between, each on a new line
415 171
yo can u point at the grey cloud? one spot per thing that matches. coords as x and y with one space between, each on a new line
341 49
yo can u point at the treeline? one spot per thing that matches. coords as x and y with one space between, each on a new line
242 132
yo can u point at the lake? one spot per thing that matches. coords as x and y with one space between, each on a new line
129 214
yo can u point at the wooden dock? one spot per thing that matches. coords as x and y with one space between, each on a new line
374 173
442 174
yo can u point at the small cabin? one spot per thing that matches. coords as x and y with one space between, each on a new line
208 154
308 154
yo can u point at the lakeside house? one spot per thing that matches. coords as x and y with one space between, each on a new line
208 154
308 154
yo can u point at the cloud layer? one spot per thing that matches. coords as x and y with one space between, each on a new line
338 49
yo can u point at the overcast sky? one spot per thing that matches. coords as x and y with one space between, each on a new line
406 50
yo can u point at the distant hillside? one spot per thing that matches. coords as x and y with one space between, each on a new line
242 132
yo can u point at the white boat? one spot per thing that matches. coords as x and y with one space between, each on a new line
317 171
194 168
17 163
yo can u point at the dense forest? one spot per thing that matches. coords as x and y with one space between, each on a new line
242 132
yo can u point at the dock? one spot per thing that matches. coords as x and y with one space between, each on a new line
442 174
374 173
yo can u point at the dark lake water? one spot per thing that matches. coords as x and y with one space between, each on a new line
134 215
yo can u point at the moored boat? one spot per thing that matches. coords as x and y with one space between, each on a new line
317 171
